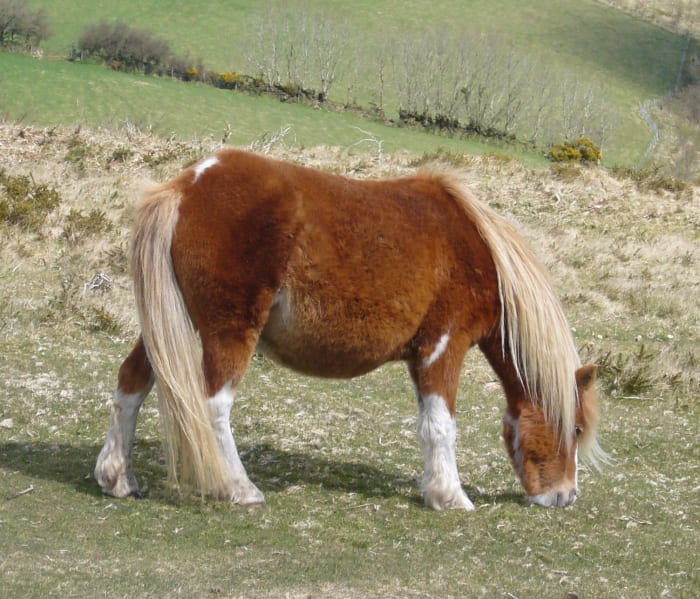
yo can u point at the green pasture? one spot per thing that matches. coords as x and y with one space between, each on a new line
338 461
628 60
585 34
50 93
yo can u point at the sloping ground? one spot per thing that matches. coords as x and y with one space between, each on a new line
623 252
338 460
677 15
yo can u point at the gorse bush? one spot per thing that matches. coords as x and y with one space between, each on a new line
24 203
582 150
628 375
651 179
80 226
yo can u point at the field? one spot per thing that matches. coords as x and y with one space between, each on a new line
88 95
338 460
623 60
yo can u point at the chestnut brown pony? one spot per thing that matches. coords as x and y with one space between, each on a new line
334 277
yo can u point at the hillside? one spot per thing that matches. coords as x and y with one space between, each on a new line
620 247
590 58
676 15
338 459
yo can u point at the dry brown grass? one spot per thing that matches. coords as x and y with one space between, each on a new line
337 459
678 15
624 256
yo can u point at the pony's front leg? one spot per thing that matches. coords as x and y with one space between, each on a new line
437 433
242 490
113 470
436 387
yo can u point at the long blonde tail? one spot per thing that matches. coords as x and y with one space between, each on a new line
174 350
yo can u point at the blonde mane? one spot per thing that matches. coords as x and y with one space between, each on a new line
533 324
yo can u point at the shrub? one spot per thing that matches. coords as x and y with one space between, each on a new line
21 27
229 80
123 48
651 179
582 150
80 226
629 375
24 203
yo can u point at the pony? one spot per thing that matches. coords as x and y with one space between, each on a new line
333 277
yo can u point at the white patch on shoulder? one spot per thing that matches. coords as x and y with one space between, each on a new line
440 348
200 168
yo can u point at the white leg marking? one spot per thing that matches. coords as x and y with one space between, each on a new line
243 491
437 433
440 348
113 470
200 168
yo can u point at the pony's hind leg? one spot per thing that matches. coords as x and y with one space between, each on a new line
435 373
113 470
226 357
241 490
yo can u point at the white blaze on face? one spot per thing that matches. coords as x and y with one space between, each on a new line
200 168
440 348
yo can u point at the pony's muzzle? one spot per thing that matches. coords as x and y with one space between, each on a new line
554 498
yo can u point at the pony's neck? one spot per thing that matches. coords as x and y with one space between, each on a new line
499 357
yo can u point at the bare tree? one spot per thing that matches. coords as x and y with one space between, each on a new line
330 40
22 27
297 46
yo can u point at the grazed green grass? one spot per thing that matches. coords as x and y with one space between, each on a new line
338 460
61 93
632 61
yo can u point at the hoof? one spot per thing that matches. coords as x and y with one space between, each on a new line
137 494
450 498
117 484
248 495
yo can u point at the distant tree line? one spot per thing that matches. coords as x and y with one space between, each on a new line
20 27
459 82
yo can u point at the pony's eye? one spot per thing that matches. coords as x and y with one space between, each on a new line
578 430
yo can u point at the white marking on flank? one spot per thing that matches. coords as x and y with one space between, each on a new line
440 348
203 166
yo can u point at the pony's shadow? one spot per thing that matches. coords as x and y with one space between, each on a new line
271 468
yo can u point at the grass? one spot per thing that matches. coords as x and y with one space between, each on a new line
338 460
628 59
95 96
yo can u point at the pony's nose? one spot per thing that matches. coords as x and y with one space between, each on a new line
553 498
564 499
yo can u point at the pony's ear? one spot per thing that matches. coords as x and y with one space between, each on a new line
586 376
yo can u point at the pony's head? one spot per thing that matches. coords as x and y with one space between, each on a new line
545 458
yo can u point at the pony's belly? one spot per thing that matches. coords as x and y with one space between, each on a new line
323 344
